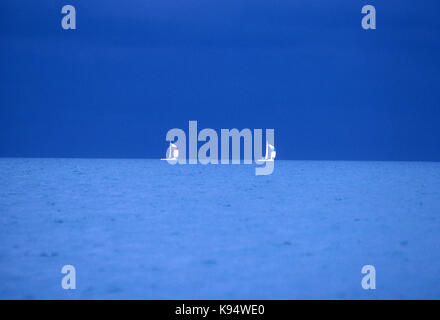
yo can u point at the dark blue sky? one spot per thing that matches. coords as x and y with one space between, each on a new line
134 69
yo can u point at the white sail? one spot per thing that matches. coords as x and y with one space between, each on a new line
173 153
270 153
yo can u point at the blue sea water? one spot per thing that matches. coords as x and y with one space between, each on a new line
146 229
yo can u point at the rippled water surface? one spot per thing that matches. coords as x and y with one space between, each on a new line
146 229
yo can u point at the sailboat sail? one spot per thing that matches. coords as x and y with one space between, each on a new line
171 150
270 153
173 153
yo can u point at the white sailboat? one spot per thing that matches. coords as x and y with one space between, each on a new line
270 153
173 153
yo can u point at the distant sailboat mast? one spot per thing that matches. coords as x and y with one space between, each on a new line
171 150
